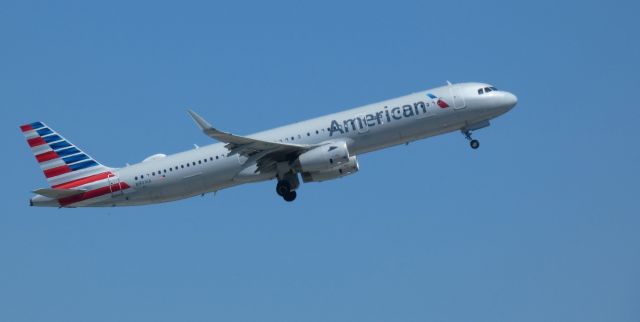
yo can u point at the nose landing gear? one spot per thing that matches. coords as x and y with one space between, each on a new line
472 142
466 131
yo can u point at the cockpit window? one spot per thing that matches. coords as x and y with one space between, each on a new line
486 90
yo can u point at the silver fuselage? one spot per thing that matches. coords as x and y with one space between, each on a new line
365 129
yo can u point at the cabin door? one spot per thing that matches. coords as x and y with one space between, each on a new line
115 186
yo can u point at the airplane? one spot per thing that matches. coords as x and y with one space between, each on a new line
316 150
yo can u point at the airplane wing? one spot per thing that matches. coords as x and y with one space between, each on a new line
266 153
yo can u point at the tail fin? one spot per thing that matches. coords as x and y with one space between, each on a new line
62 162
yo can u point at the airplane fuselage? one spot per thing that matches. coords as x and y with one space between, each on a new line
364 129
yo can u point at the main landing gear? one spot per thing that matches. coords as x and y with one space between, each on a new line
283 189
286 187
472 142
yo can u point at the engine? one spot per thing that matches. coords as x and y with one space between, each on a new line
344 169
324 157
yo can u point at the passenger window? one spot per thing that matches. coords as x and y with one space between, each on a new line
194 163
480 91
153 173
210 158
142 176
136 177
199 162
317 132
216 157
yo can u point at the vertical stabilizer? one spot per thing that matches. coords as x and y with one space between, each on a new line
63 164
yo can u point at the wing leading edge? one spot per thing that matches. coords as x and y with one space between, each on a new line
265 153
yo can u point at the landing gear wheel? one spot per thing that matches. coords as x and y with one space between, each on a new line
290 196
282 188
467 135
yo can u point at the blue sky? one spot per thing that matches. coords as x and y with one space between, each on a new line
539 224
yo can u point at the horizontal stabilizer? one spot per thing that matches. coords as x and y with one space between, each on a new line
58 193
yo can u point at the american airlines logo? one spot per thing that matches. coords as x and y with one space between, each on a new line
389 114
441 103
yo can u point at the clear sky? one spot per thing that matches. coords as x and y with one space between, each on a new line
540 224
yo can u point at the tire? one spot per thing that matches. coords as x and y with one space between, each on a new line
474 144
282 188
290 196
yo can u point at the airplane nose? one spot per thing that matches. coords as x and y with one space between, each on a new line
509 100
503 102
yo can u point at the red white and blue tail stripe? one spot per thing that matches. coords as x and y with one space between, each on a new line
64 164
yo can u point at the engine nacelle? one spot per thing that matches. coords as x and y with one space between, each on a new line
324 157
345 169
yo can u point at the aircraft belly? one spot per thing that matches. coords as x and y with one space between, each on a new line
417 129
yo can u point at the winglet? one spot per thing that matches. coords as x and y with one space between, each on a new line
204 125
